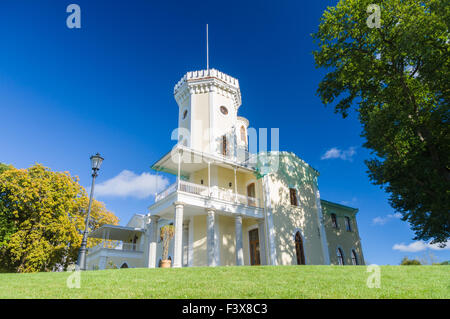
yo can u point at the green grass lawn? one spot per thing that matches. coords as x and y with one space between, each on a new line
235 282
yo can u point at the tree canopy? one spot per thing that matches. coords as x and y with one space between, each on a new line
396 78
42 217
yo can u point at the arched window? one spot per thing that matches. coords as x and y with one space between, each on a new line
124 265
340 256
293 196
243 135
299 249
334 220
354 258
348 225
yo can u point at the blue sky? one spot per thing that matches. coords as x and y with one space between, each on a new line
108 87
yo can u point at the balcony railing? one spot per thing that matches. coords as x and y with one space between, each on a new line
215 192
117 245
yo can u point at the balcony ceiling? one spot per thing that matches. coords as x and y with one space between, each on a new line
192 161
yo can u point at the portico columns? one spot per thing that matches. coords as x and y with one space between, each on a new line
209 178
239 245
186 243
235 186
212 238
178 236
152 235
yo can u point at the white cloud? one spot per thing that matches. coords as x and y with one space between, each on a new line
419 246
383 220
346 155
130 184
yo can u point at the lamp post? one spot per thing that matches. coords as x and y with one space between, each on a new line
96 162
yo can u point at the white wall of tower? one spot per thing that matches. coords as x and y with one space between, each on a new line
208 103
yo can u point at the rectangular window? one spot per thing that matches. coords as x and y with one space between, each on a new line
293 195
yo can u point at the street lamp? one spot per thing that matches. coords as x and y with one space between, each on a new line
96 162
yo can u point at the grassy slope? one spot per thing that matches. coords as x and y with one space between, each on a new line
235 282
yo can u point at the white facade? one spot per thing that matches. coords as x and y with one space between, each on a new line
223 210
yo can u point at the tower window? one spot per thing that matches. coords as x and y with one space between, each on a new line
224 110
185 114
293 196
243 136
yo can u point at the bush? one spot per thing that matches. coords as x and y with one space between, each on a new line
408 262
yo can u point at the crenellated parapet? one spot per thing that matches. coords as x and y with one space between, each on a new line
205 81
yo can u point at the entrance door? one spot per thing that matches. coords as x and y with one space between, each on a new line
251 194
254 247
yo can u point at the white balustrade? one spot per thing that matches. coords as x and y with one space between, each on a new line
166 192
216 192
193 188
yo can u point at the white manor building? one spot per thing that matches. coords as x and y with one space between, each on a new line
227 208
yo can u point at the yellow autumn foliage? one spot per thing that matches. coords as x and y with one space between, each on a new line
42 216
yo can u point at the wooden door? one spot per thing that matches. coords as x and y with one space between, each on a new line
254 247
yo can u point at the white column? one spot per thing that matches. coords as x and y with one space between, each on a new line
178 237
191 243
104 238
323 234
271 236
209 178
235 186
211 238
186 243
262 242
270 230
179 170
239 244
152 240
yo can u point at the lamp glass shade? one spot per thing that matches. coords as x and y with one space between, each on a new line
96 161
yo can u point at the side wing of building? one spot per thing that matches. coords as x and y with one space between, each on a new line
292 208
344 243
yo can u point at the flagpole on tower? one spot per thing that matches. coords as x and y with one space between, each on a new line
207 48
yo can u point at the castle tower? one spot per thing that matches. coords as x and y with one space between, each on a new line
208 103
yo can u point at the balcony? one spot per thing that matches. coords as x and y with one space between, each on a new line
118 246
214 192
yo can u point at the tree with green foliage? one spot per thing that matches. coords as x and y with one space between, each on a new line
6 225
4 167
396 78
42 217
